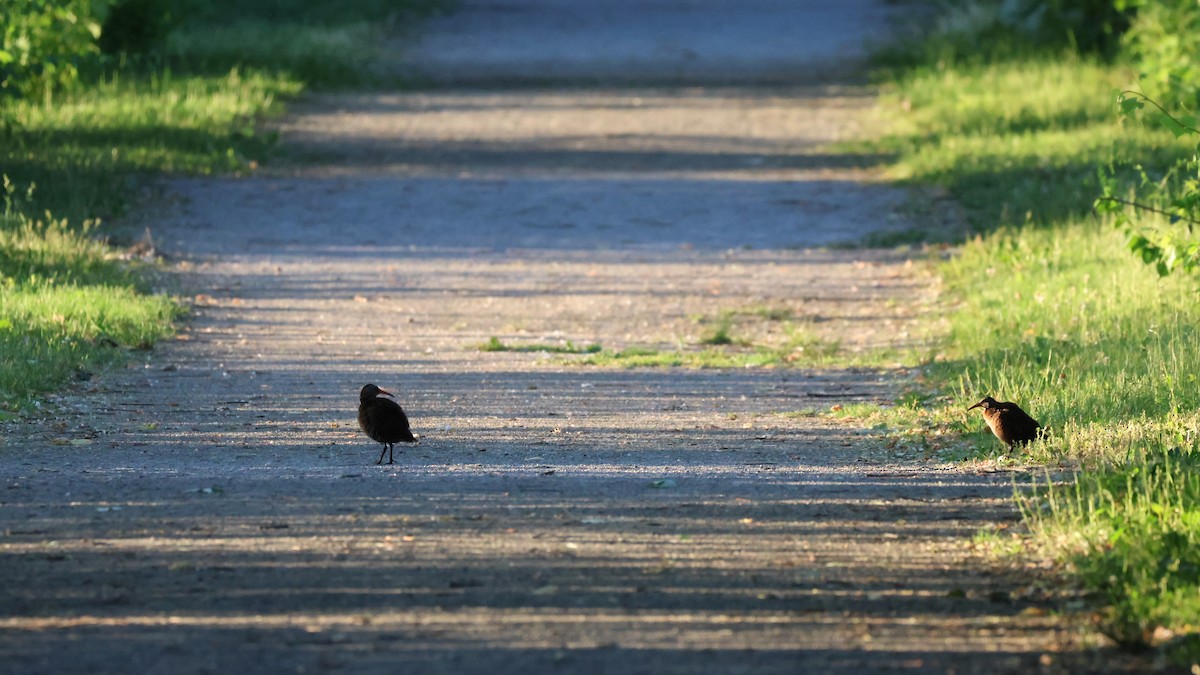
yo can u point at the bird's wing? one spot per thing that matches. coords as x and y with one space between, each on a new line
1014 411
388 405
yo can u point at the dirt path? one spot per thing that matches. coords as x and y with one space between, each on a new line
220 512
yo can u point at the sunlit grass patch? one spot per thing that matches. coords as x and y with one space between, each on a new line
1130 530
1065 322
51 334
85 152
67 304
721 344
648 357
1048 308
1015 140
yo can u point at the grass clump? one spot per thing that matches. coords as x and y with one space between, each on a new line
649 357
1131 532
66 304
494 344
719 335
800 349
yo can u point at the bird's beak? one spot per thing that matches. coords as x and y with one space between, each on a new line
387 393
975 406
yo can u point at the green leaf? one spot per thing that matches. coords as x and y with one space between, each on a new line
1170 257
1129 105
1174 126
1137 243
1104 205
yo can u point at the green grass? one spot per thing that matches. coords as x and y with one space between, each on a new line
648 357
1130 531
800 349
87 151
66 305
68 302
1048 308
715 355
494 344
718 347
1015 141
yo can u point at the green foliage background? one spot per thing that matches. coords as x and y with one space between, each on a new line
43 44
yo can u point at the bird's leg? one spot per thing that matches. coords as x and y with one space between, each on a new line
391 460
385 449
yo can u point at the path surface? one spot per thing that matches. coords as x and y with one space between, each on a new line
635 42
213 507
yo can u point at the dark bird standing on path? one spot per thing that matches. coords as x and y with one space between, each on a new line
1007 421
383 420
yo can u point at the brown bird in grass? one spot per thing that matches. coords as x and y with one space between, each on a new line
1008 422
383 420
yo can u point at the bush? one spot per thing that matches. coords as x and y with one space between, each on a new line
43 43
135 27
1163 43
997 29
1160 208
1088 25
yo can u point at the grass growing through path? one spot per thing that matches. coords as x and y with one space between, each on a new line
719 347
720 332
1051 310
800 349
494 344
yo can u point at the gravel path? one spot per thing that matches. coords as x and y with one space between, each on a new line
213 508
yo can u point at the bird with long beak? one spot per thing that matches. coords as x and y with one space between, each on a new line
383 420
1008 422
